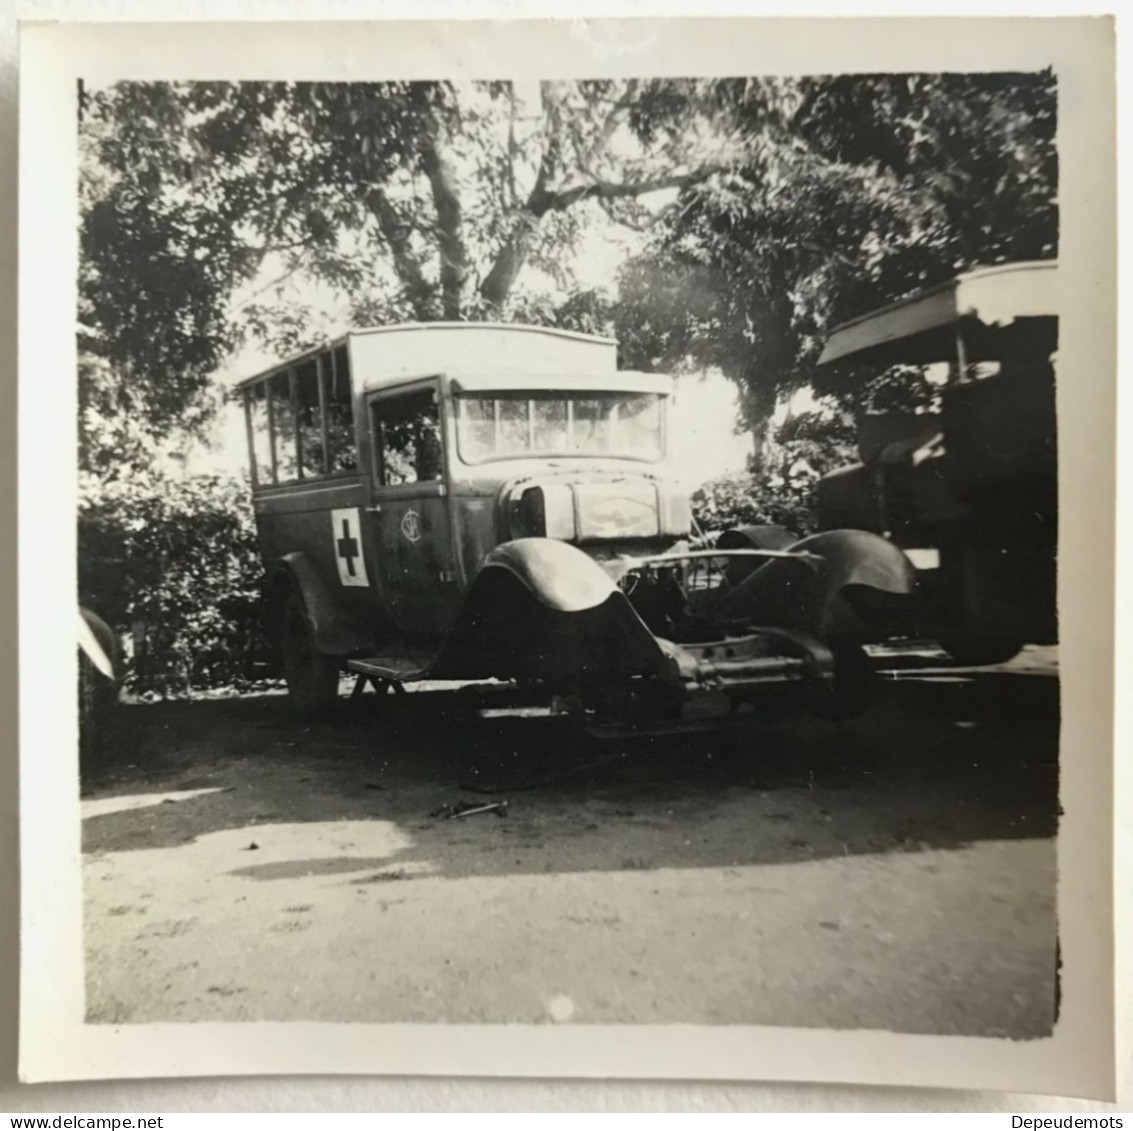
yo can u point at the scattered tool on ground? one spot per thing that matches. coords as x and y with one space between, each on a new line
470 809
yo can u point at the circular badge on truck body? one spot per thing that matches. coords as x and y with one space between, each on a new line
411 526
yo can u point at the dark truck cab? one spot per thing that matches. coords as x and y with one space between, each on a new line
475 502
969 492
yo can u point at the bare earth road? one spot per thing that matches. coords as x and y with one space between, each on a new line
894 873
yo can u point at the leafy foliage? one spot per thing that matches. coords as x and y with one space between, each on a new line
174 564
744 500
857 191
795 203
157 265
418 200
804 448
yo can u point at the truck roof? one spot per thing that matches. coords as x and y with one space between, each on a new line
617 381
430 347
921 328
518 327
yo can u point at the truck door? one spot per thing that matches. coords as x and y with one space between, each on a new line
409 514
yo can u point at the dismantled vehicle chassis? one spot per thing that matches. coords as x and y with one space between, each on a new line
483 503
674 641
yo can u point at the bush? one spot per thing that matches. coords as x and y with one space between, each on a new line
173 565
805 447
749 500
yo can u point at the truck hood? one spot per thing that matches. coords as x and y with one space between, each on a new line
587 505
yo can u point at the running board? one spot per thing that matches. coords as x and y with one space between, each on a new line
398 669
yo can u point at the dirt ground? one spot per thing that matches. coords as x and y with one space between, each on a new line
897 872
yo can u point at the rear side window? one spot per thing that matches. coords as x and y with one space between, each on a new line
407 438
309 419
283 428
301 421
259 433
341 446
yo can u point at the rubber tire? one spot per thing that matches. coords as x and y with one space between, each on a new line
98 701
311 675
981 651
851 690
98 693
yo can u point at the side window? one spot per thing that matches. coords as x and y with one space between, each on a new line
300 421
259 433
407 438
308 410
341 445
514 426
283 428
477 427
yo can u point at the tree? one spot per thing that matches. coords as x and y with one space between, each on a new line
857 191
157 265
416 200
792 203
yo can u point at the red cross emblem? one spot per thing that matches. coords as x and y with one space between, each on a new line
346 538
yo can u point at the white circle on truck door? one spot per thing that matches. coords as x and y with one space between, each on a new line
411 526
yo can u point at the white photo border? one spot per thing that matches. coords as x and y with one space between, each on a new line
55 1041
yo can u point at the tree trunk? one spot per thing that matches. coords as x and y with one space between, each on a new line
512 256
769 369
759 400
450 229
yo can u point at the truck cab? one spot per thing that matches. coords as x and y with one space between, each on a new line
396 459
969 490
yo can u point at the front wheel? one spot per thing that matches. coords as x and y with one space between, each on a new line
850 690
311 675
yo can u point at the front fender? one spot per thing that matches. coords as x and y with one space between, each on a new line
558 575
541 609
100 644
857 572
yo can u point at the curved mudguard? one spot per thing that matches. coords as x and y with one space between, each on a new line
334 633
543 609
756 538
99 643
857 590
556 574
752 538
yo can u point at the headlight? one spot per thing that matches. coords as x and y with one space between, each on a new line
545 512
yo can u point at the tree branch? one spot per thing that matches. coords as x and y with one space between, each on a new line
512 146
640 220
611 190
395 231
513 255
610 125
268 286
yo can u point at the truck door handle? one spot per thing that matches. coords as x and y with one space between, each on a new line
375 509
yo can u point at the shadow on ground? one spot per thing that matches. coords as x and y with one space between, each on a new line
947 759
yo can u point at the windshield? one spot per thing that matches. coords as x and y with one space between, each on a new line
508 425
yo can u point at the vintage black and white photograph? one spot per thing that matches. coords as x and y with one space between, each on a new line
571 551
